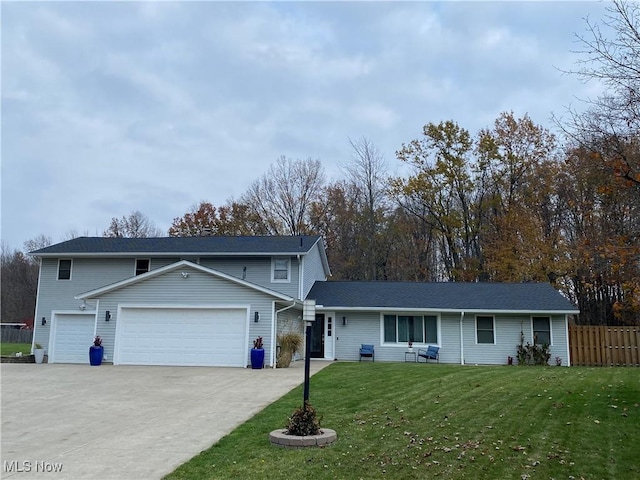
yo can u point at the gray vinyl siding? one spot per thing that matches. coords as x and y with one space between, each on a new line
559 340
163 262
258 271
91 273
449 340
366 328
507 329
86 274
313 270
199 289
291 321
362 327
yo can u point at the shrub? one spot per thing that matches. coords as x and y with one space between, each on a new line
290 343
532 354
303 422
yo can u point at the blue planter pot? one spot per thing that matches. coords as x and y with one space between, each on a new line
95 355
257 358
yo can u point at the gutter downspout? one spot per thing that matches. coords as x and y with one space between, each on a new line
275 329
461 339
300 276
35 314
566 330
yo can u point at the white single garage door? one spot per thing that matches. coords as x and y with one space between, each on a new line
181 336
72 337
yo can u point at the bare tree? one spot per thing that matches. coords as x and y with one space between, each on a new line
19 282
136 225
610 127
366 173
36 243
282 197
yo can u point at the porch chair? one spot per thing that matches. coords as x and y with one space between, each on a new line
367 351
430 353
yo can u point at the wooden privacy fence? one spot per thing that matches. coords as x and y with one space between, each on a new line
604 346
12 335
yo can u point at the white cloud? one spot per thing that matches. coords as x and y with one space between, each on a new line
111 107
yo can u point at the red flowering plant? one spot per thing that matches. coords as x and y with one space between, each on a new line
257 343
97 342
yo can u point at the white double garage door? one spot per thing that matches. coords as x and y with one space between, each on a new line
160 336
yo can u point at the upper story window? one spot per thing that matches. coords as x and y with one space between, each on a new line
142 265
414 328
64 269
485 330
541 330
281 270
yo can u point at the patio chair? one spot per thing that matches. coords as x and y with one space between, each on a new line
430 353
367 351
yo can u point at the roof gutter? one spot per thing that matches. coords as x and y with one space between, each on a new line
200 253
444 310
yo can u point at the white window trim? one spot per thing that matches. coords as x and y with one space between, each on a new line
493 317
273 270
550 328
414 314
70 270
135 265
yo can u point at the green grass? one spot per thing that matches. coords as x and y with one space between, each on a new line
11 348
416 421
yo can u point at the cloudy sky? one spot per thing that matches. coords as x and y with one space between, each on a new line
113 107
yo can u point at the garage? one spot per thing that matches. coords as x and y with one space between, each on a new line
72 337
181 336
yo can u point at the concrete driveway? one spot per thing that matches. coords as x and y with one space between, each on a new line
126 422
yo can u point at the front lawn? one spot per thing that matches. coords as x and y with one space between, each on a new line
12 348
416 421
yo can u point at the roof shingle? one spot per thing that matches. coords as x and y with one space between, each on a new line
182 245
444 295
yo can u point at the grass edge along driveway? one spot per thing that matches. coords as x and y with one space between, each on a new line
399 420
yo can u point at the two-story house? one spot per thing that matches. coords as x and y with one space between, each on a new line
203 300
173 301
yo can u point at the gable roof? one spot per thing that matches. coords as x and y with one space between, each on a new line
255 245
177 266
443 296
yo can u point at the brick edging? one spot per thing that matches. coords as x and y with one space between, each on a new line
279 438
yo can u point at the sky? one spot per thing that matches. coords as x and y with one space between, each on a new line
108 108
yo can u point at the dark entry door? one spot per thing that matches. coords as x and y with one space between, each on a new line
317 337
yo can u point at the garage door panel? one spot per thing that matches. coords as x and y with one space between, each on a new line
72 338
173 336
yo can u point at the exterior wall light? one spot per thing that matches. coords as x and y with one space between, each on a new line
256 317
344 321
44 321
107 316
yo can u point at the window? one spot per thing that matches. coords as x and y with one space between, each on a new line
415 328
142 265
484 330
280 270
64 269
541 330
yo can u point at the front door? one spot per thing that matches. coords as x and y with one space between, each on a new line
317 337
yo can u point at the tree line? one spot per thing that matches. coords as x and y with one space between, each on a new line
509 203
